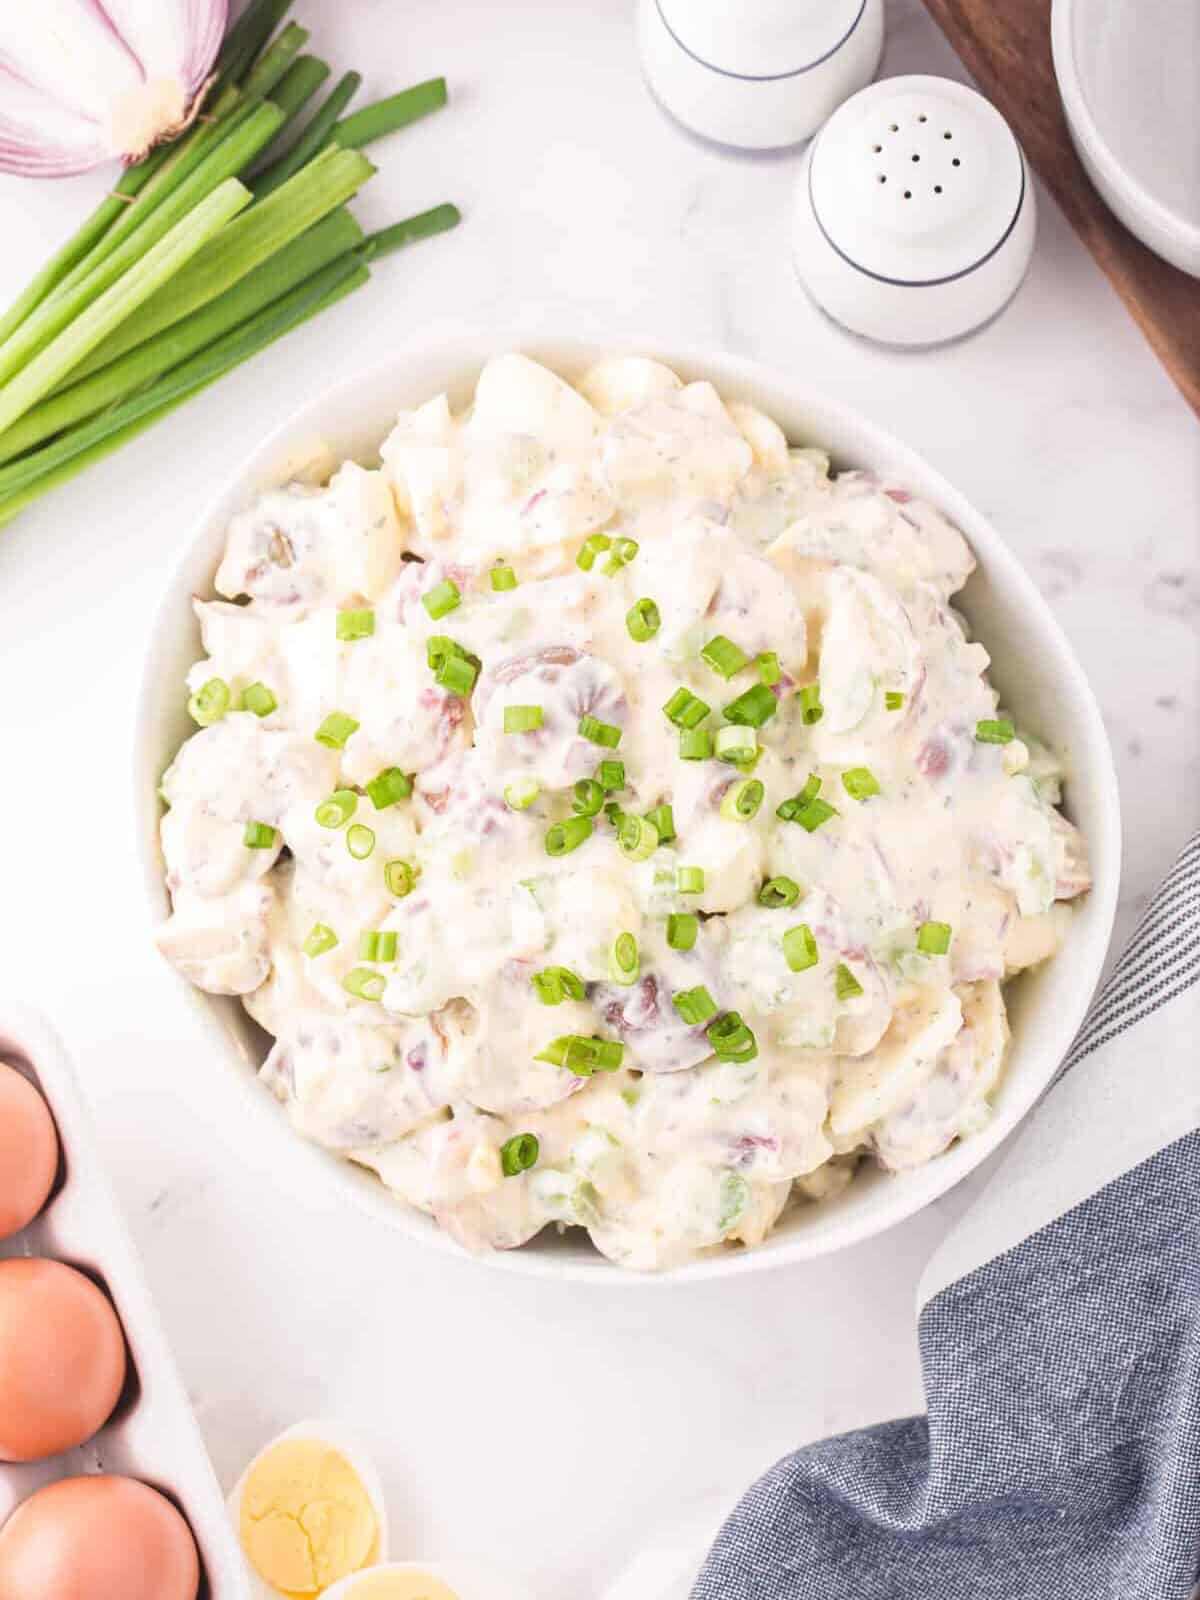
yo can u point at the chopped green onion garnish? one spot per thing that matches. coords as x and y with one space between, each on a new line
456 675
933 938
724 657
690 880
893 699
360 841
522 719
258 698
742 800
554 984
811 816
694 1005
612 810
588 797
643 621
441 599
637 838
769 670
611 776
695 744
625 550
502 577
800 948
731 1039
593 546
356 624
995 732
335 730
519 795
583 1056
603 733
338 809
388 787
685 710
518 1154
860 783
663 819
845 983
210 702
260 836
790 809
777 892
321 937
364 984
811 709
438 646
682 927
623 959
380 946
738 745
752 709
564 837
399 876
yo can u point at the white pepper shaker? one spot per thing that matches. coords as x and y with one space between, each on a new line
758 74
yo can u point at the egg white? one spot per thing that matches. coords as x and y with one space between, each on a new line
337 1437
472 1580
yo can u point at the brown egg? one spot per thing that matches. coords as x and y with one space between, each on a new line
28 1151
62 1359
97 1539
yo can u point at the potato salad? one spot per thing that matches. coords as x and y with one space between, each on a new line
605 811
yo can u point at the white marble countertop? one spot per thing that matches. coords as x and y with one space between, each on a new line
555 1428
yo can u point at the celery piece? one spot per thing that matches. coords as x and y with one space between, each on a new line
160 263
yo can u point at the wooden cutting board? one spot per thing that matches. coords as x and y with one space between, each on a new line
1005 45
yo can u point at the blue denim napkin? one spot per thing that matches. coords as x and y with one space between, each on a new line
1060 1341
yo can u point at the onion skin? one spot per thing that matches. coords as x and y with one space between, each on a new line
82 84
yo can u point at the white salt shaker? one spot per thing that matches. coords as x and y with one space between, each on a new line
914 213
758 74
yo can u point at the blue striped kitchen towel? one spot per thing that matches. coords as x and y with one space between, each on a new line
1060 1342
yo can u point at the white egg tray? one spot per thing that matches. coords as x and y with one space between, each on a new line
153 1434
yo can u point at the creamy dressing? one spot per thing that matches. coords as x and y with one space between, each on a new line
417 1055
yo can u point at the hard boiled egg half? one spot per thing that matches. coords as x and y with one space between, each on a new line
309 1512
428 1580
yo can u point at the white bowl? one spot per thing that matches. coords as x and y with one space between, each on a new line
1033 667
1127 73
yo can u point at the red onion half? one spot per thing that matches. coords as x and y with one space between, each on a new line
83 82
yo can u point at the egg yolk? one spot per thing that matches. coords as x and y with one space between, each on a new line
400 1586
305 1518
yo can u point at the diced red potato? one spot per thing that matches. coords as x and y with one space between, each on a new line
1030 940
954 1099
567 684
348 1086
878 1083
405 718
241 771
1074 875
422 459
680 447
515 395
625 382
302 545
765 437
206 855
470 1195
642 1016
219 943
